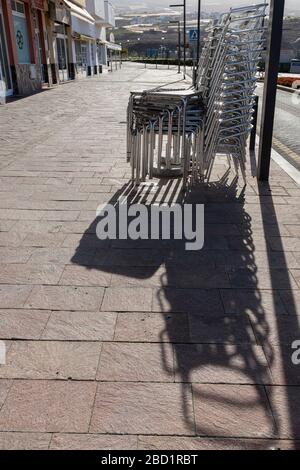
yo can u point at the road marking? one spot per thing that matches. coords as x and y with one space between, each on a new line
286 166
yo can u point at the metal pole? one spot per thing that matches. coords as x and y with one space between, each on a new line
198 26
270 88
184 38
179 48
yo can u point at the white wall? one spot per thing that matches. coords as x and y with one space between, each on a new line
96 8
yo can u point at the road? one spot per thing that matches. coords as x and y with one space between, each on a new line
287 126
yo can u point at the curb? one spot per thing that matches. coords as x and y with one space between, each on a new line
288 89
284 88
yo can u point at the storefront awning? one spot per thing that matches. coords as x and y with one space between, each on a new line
83 37
79 12
111 45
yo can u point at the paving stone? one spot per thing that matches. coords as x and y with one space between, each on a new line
44 240
84 326
274 330
24 441
285 403
59 256
93 188
294 230
4 389
127 299
232 411
285 243
152 327
12 238
84 276
61 215
296 276
138 362
262 279
92 442
14 255
30 273
291 301
6 225
65 298
137 408
12 296
86 240
37 226
21 214
217 363
254 301
188 300
48 406
196 443
280 358
138 276
74 227
134 258
51 360
22 323
220 330
197 278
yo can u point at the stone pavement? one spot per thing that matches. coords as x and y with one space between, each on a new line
125 345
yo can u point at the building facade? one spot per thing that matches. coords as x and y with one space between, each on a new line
52 41
59 39
22 46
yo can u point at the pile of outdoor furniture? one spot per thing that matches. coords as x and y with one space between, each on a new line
174 132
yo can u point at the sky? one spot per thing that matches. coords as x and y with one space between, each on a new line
209 5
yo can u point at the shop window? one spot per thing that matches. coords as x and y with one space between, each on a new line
18 7
21 32
59 28
81 54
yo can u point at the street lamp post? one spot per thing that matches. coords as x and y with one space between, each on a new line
183 5
179 44
198 26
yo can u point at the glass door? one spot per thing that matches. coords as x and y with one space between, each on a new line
62 58
5 78
38 43
81 58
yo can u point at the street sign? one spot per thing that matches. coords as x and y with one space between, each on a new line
193 35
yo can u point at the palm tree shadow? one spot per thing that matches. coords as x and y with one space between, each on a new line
213 346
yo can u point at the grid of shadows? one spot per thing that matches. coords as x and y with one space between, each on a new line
224 326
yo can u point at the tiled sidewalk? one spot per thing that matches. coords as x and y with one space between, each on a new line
125 345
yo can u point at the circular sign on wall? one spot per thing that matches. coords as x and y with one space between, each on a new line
20 39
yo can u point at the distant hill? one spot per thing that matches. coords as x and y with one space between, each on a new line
209 5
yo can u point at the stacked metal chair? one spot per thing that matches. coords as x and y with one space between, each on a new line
163 127
182 131
227 78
